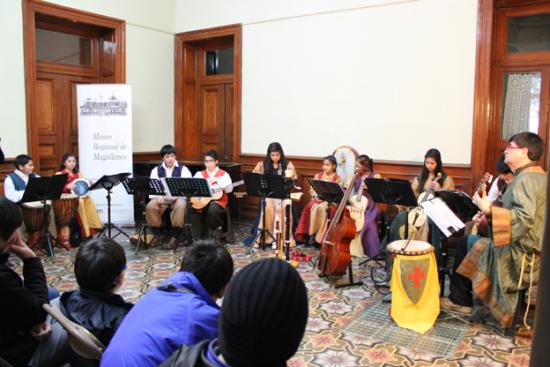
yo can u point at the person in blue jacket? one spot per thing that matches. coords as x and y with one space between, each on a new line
183 311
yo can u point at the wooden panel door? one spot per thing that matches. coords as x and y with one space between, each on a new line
57 118
215 118
71 118
49 117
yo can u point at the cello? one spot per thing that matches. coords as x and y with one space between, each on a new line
334 256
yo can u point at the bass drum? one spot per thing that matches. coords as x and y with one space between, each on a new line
81 187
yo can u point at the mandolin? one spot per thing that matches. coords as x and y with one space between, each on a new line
217 194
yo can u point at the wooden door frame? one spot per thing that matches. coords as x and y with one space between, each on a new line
484 98
194 37
30 9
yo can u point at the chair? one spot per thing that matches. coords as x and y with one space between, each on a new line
84 343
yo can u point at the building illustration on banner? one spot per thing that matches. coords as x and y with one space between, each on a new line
101 107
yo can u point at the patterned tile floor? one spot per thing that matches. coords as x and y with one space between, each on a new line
347 327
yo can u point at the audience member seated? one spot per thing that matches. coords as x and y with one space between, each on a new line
99 269
262 321
181 311
26 337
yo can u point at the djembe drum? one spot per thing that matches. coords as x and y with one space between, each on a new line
65 210
35 222
414 285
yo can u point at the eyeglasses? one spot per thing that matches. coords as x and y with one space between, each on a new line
511 147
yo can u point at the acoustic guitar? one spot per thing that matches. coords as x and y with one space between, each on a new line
217 194
358 205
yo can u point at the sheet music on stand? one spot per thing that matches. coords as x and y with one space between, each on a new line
442 216
145 185
188 187
327 190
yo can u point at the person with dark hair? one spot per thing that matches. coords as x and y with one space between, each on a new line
314 215
499 185
16 181
181 311
15 184
367 241
158 204
262 321
432 178
496 268
87 220
2 158
208 219
27 337
99 269
429 175
274 163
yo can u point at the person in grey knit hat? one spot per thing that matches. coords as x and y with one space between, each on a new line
262 321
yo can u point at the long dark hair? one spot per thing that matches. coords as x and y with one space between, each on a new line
436 155
365 161
64 158
268 163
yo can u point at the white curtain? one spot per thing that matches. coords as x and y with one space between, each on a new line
521 104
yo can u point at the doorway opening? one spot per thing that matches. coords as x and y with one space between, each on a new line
208 93
64 47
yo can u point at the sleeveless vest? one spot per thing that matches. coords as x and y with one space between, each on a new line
224 201
162 171
18 182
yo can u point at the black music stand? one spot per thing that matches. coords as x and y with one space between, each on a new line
188 187
143 187
459 202
327 191
108 182
265 186
391 192
43 189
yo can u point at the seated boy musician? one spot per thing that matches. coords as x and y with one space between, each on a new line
158 204
208 219
16 181
495 269
15 184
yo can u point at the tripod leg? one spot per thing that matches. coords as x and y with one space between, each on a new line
141 233
48 240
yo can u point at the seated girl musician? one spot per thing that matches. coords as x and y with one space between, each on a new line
275 163
364 212
432 175
314 215
87 217
432 178
209 218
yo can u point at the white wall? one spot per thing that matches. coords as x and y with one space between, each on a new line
391 78
149 69
12 89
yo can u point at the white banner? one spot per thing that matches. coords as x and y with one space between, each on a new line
105 143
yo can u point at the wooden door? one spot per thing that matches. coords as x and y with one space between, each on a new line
520 76
216 119
57 118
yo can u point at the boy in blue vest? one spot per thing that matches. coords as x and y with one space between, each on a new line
15 184
158 204
16 181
